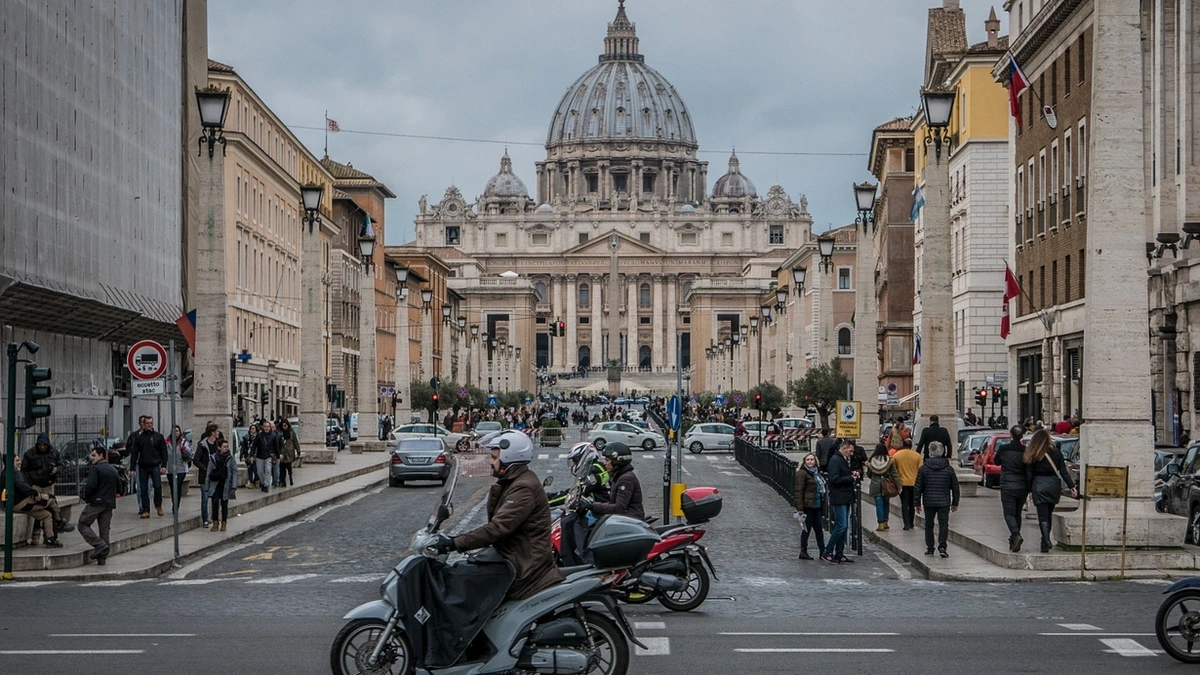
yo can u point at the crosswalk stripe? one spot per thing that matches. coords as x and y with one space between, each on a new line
1127 647
711 458
649 625
562 455
655 646
1078 626
647 456
544 456
285 579
112 583
357 579
190 582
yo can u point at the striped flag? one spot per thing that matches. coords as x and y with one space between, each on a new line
187 326
916 348
918 201
1017 83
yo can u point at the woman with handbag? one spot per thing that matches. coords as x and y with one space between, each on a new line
885 483
809 491
1046 472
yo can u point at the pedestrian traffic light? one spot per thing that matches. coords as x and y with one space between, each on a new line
1003 398
553 329
264 397
758 401
562 329
981 397
34 393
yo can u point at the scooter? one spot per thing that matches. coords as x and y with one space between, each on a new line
1178 622
461 624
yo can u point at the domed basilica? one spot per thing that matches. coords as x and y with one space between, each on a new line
622 238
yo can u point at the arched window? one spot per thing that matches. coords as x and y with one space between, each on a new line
687 288
540 288
644 357
585 357
644 296
843 341
585 295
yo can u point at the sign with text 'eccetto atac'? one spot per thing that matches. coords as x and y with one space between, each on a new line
849 419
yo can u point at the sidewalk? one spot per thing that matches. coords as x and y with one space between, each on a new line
143 548
979 548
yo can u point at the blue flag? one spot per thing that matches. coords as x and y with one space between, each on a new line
918 201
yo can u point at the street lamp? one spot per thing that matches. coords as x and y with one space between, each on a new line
754 325
864 198
426 297
475 332
462 323
938 104
825 245
798 275
446 310
310 199
366 243
781 300
213 103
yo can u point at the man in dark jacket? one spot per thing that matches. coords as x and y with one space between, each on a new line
937 490
100 496
41 464
841 482
931 433
825 447
518 519
1014 486
268 446
148 452
625 493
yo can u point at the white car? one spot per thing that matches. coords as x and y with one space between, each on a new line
709 436
607 432
459 442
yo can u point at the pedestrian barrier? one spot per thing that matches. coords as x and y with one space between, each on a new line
769 466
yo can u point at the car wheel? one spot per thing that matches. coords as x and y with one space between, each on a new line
399 482
648 444
696 447
395 482
599 443
1193 531
462 445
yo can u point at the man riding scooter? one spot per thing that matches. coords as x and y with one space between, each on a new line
591 482
625 493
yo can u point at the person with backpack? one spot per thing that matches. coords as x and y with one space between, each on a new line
222 484
937 491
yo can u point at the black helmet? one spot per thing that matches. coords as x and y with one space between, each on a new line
618 453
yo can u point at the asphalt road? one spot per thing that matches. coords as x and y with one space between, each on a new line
273 606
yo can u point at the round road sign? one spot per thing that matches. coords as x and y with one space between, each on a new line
738 398
147 360
463 393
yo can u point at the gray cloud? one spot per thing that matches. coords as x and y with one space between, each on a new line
764 75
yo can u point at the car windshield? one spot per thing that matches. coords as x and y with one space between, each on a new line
487 426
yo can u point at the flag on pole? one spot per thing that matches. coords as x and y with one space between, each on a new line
332 125
1017 83
1012 289
916 348
918 201
187 326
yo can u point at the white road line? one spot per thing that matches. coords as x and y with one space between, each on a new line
1151 582
1097 634
649 625
816 634
731 473
562 455
1127 647
120 635
813 650
27 584
1078 626
655 646
685 470
111 583
358 579
285 579
68 652
894 565
647 455
191 582
544 456
711 458
764 581
845 582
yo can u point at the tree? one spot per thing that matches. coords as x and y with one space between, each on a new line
773 398
705 398
821 388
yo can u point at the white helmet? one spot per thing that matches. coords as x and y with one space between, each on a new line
581 458
514 446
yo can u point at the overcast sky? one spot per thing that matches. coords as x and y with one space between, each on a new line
761 75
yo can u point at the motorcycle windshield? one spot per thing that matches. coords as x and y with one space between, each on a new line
445 505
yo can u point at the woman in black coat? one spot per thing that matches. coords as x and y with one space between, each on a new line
1046 472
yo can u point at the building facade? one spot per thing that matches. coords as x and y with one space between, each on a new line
619 238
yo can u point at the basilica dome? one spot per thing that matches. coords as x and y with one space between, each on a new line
505 184
621 99
733 185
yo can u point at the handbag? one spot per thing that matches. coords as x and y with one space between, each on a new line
1062 480
889 487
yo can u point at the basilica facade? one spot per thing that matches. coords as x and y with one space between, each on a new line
621 255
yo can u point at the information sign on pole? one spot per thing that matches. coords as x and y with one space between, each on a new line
147 387
849 419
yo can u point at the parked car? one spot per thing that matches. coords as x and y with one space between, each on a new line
964 432
989 474
458 442
709 436
607 432
420 458
621 400
1180 491
972 445
333 434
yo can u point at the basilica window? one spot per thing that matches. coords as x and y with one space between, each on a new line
452 236
843 279
620 182
727 239
843 342
585 295
644 296
644 237
593 183
648 182
645 320
687 238
540 289
501 239
583 237
540 239
687 288
776 234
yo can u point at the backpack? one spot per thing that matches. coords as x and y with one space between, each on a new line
219 471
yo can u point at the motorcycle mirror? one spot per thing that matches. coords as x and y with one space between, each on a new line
548 482
444 512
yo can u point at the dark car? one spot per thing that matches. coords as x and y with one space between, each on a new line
1180 491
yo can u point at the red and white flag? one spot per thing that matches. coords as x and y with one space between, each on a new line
1017 83
1012 289
332 125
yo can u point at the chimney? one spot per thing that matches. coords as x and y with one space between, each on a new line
992 25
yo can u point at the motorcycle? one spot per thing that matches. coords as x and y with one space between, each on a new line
452 616
1177 625
677 555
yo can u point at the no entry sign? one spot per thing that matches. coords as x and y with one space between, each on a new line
147 360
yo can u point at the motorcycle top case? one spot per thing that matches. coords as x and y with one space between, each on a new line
620 541
700 504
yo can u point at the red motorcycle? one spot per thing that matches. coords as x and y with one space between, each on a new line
677 556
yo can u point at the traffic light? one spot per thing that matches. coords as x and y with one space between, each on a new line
435 400
1003 398
34 393
553 329
562 329
981 397
264 397
758 401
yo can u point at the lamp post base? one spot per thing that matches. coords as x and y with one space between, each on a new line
614 380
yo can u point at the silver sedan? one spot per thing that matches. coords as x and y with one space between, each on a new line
420 458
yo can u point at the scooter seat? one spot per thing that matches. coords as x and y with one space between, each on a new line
568 571
662 529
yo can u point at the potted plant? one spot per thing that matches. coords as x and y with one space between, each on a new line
552 433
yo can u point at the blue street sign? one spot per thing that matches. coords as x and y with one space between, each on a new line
695 399
719 400
528 401
673 413
493 402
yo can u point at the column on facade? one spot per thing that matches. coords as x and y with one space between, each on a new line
938 384
631 320
866 363
656 323
672 344
558 344
825 326
597 322
572 339
447 347
368 384
402 368
796 344
212 388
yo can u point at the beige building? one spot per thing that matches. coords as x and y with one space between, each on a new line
621 242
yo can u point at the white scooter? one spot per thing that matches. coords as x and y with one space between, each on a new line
452 618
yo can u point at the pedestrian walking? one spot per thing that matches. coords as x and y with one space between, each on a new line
825 449
1014 484
179 460
100 496
937 491
246 454
841 484
291 451
885 484
222 485
908 462
149 454
206 449
1046 472
31 501
809 499
40 465
931 433
264 455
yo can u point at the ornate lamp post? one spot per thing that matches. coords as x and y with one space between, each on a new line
368 378
866 363
825 246
403 366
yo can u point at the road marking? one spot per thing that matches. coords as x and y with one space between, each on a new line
685 470
190 582
649 625
285 579
764 581
358 579
845 582
893 564
544 456
731 473
68 652
120 635
562 455
814 650
1126 647
816 634
646 455
470 516
112 583
711 458
1078 626
655 646
1151 582
1097 634
27 584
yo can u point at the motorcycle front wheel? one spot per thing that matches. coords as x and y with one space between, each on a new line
356 641
1178 626
693 593
609 650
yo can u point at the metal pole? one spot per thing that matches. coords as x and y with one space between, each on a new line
10 422
1083 538
679 392
1125 523
176 484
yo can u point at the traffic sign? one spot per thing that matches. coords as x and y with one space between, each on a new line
882 396
892 388
674 416
719 400
147 387
463 393
387 392
849 419
738 397
493 402
146 360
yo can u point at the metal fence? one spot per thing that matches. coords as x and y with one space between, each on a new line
769 466
72 436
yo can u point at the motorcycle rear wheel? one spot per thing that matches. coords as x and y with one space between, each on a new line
1178 626
611 656
357 639
693 593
